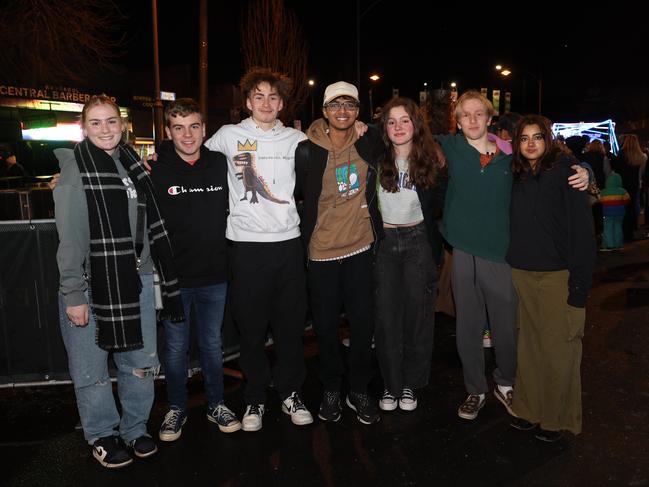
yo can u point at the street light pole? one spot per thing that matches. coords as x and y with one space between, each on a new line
311 84
359 16
373 78
539 82
158 125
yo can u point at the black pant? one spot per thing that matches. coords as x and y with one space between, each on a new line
269 288
405 307
333 284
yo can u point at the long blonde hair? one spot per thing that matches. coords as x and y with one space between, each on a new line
632 151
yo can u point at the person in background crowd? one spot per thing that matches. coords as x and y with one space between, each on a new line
192 189
629 164
613 199
411 199
110 236
505 125
552 254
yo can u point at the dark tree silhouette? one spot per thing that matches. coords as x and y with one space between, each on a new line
272 37
58 41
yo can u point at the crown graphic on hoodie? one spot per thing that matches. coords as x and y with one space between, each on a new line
247 145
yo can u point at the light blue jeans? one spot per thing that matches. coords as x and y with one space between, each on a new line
88 365
208 303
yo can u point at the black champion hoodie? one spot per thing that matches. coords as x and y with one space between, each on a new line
194 203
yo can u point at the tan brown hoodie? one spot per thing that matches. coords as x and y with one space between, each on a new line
343 226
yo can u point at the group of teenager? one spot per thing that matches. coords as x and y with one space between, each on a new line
220 218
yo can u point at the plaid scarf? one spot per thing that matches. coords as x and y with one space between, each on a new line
115 284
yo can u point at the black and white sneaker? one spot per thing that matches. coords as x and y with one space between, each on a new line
294 407
388 402
111 452
252 417
172 426
408 400
224 417
366 410
330 408
143 447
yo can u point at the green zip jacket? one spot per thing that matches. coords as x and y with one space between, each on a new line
476 209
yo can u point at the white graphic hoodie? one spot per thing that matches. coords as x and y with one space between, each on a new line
261 179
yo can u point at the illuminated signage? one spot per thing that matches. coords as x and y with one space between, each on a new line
62 93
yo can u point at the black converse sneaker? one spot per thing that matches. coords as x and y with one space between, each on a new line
224 417
172 426
111 452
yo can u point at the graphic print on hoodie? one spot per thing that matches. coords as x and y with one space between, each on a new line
261 179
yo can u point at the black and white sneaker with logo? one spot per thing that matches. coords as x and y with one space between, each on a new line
111 452
295 408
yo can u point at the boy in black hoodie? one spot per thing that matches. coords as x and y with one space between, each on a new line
192 189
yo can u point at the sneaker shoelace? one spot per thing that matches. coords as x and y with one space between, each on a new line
387 396
255 409
224 415
472 402
172 417
297 404
408 395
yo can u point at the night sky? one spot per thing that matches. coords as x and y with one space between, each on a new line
592 62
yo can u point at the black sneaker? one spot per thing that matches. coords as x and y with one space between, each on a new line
522 424
111 452
172 426
548 436
366 410
143 447
330 408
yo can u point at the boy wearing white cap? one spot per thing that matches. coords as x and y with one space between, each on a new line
336 178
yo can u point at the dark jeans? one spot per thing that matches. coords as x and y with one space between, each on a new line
333 284
268 288
208 302
405 307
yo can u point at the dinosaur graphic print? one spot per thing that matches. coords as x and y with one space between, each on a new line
252 182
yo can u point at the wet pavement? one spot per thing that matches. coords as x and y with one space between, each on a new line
430 446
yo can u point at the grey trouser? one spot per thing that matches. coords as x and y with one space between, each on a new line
484 292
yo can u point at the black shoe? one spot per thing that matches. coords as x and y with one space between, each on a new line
111 452
143 447
548 436
366 410
522 424
330 408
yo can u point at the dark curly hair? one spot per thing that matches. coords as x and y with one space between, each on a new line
425 155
